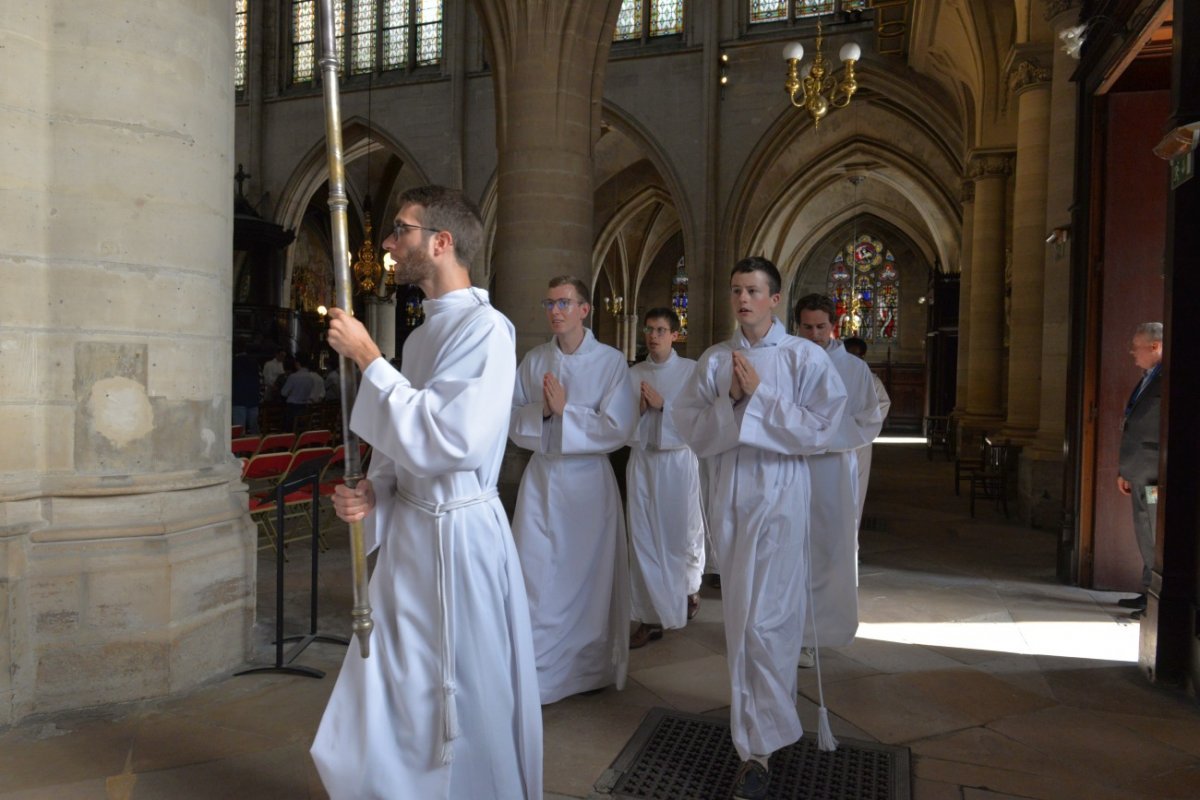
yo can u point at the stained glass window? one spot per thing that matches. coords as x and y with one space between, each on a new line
811 8
429 31
786 10
629 21
383 35
666 17
657 17
240 42
768 10
864 283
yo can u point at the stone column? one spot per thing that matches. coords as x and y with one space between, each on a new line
126 553
1030 83
986 356
548 59
1060 196
381 321
964 298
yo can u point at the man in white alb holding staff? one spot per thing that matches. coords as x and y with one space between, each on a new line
446 707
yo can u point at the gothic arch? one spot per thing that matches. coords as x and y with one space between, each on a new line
663 223
312 172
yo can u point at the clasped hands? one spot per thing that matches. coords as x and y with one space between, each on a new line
649 398
745 378
554 396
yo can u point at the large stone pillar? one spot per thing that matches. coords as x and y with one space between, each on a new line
548 59
986 357
964 298
1030 84
1060 197
126 553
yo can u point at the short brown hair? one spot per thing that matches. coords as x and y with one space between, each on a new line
662 312
581 289
449 210
817 302
760 264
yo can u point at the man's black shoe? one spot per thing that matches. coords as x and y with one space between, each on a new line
751 781
1141 612
1138 602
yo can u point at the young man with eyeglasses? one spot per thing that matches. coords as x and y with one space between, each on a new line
662 484
572 406
757 405
446 706
834 509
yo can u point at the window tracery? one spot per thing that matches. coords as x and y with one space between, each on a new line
383 36
864 282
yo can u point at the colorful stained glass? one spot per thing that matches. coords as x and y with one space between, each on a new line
810 8
768 10
666 17
679 298
864 283
240 44
629 21
854 5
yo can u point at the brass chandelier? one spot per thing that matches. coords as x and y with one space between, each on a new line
818 91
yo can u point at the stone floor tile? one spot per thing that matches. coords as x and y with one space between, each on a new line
277 774
673 647
581 737
934 790
697 685
63 750
910 706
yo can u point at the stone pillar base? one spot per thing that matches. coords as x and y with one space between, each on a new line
98 616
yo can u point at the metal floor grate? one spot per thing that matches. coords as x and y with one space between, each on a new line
677 756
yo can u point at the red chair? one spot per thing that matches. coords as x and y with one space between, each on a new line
277 443
297 504
244 446
237 430
321 438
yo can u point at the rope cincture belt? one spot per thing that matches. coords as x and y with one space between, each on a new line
438 511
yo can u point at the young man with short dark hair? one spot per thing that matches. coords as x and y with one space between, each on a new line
662 484
834 507
572 406
757 405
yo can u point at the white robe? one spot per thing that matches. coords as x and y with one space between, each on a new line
835 506
662 484
758 514
439 435
864 452
568 523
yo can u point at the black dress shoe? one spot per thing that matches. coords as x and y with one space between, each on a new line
1141 612
1138 602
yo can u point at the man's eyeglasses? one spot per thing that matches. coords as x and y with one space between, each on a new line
562 304
402 228
656 331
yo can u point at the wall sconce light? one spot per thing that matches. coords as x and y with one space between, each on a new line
817 91
614 305
723 72
1059 237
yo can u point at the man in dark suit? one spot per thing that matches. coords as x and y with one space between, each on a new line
1138 463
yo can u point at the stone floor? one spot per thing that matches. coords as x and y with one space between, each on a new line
1004 683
